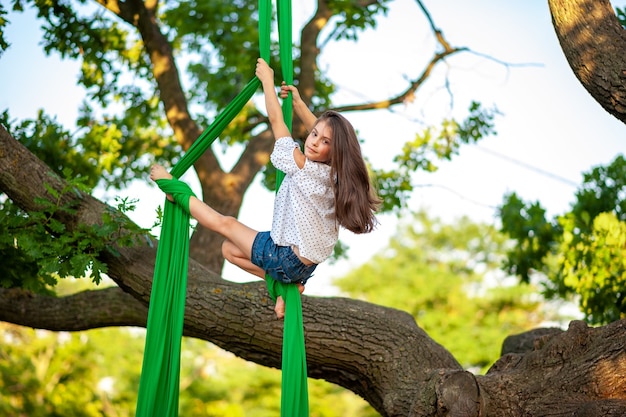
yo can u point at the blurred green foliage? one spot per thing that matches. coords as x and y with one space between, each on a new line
581 253
447 276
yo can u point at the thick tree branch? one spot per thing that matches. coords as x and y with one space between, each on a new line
594 44
82 311
574 373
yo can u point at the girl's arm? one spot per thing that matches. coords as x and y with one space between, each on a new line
299 106
274 111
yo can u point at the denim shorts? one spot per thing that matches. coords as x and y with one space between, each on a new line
279 262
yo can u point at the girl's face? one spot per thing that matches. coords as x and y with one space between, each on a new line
319 142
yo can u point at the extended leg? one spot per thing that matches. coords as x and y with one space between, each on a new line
239 234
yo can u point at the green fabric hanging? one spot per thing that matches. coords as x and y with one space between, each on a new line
295 396
160 376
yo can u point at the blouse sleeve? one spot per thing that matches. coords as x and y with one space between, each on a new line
282 155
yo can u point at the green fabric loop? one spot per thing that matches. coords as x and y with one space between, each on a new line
160 374
180 191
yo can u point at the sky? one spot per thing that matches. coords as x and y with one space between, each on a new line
550 130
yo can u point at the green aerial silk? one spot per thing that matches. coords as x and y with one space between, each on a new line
295 396
160 375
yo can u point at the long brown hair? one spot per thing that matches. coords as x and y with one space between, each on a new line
356 200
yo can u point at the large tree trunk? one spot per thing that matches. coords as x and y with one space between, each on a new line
594 44
379 353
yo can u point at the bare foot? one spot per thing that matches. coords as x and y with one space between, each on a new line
279 308
157 172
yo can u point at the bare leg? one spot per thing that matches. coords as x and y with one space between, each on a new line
235 256
239 234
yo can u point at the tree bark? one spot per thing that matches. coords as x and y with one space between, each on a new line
594 44
579 372
379 353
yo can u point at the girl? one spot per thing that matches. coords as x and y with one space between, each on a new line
325 186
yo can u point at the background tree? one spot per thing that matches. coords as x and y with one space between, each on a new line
43 374
405 372
581 253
